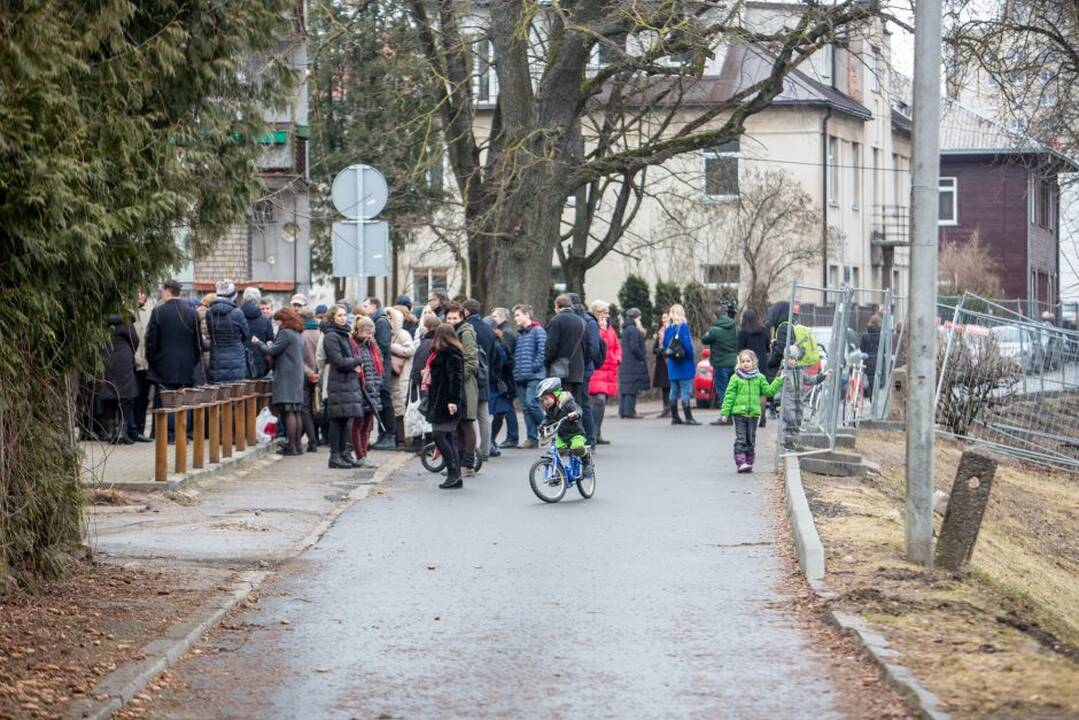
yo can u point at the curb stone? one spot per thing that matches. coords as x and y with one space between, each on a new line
127 681
901 678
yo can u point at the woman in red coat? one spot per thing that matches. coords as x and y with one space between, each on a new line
604 381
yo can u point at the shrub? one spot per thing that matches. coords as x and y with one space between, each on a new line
636 294
667 294
700 304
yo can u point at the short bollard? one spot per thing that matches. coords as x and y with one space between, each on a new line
240 411
181 439
161 444
199 430
226 428
215 431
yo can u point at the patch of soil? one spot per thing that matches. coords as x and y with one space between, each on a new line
58 642
996 641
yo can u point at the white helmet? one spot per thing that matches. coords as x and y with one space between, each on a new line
548 385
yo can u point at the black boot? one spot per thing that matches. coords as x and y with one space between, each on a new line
764 420
675 420
338 463
453 481
689 415
388 441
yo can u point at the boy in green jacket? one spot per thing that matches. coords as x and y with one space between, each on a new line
742 401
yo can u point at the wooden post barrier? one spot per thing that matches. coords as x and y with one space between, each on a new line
215 427
240 404
181 436
252 410
161 444
226 422
202 399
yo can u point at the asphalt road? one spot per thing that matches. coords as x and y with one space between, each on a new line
660 597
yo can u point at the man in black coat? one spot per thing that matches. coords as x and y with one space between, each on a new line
565 345
372 308
590 349
173 344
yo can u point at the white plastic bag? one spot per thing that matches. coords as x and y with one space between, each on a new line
265 426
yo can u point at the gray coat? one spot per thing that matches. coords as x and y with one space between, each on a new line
344 398
287 351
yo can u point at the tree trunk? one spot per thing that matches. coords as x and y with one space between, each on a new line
521 267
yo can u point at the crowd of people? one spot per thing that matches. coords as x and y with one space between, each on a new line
445 372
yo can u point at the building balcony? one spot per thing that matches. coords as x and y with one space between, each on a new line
891 225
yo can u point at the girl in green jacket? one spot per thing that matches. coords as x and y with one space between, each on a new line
742 401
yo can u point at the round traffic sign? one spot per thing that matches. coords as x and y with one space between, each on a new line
359 192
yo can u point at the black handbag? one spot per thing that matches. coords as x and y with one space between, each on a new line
675 350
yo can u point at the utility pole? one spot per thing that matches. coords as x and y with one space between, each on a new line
925 197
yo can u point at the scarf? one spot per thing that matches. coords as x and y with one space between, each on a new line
748 375
311 324
376 356
425 384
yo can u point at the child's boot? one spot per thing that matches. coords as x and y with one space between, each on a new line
749 462
739 461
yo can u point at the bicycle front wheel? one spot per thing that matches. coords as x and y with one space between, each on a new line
432 459
547 480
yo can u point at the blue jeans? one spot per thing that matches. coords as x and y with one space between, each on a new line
683 388
721 377
627 405
526 393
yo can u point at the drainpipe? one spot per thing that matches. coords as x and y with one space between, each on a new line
824 197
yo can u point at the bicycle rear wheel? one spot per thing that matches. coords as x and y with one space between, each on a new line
432 459
547 480
587 484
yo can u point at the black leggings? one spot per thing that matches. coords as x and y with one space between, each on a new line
339 435
466 436
444 440
293 429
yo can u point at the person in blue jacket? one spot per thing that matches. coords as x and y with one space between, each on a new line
681 363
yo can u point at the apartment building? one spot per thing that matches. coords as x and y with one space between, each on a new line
834 130
271 248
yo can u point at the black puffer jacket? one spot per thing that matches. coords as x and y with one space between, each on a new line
229 338
344 398
777 324
447 386
119 381
262 328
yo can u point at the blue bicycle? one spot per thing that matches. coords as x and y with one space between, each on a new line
553 473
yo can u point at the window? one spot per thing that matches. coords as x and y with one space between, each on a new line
895 283
1044 206
833 276
876 71
948 213
721 276
485 82
856 175
424 280
720 171
878 186
833 171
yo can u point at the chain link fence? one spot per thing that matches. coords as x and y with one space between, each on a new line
1008 381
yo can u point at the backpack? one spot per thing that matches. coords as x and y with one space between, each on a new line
807 341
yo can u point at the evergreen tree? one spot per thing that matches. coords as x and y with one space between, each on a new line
635 293
369 98
667 294
121 122
700 307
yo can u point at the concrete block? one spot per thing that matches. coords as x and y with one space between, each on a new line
806 540
833 468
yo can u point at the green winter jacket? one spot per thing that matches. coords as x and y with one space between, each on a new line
743 396
723 339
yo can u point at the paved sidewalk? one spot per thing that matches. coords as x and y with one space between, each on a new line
131 467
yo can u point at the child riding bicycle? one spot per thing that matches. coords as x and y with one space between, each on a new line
560 407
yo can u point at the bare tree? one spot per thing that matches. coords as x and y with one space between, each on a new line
969 266
560 124
1029 52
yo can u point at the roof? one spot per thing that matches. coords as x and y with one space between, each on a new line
743 67
965 132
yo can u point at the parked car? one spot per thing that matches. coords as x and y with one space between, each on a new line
704 387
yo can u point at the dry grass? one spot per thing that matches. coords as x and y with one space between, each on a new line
998 641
